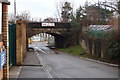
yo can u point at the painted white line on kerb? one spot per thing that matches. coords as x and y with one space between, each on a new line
18 73
43 67
39 58
48 74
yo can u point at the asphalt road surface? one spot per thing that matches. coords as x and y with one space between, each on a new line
68 66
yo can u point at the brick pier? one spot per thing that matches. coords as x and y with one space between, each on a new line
4 36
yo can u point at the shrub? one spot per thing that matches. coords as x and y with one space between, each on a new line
114 51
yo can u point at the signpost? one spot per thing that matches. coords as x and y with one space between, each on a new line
2 59
48 24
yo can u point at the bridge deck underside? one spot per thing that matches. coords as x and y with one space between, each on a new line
33 31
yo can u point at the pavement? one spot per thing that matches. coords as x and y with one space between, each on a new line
31 59
30 66
15 71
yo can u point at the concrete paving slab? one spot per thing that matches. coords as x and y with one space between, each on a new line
14 71
31 59
29 69
32 72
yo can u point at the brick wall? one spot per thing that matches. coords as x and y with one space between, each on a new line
4 36
20 42
1 74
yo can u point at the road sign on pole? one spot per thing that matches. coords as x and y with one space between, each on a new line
2 59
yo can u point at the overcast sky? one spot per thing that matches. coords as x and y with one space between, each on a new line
42 8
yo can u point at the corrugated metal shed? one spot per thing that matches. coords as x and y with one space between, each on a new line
100 31
100 27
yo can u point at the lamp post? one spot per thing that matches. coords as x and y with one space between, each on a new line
15 11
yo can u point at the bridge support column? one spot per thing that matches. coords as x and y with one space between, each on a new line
60 42
20 42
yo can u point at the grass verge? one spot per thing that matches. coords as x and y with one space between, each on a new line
75 50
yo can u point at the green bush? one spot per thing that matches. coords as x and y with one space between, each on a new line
114 51
75 50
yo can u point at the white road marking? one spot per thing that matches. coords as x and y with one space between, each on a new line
46 68
42 51
37 48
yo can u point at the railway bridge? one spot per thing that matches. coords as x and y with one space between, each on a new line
56 29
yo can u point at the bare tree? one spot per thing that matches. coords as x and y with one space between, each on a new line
11 18
25 16
49 19
58 9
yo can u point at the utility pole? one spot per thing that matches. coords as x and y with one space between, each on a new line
86 3
105 14
98 16
15 11
98 3
86 6
118 3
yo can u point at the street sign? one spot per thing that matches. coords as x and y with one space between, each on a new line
2 59
48 24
